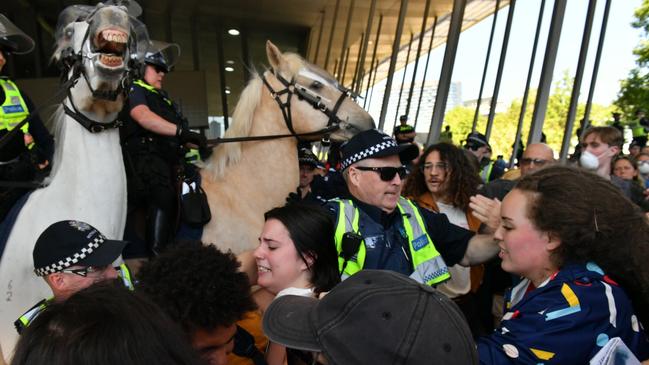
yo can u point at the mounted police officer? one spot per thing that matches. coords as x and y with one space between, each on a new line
16 161
70 256
153 135
379 229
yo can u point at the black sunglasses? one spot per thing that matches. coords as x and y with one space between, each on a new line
537 161
159 69
386 173
85 271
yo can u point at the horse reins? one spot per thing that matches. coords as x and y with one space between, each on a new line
290 88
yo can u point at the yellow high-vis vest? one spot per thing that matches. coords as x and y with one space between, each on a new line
428 265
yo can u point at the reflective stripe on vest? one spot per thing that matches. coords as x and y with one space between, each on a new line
29 316
125 275
14 109
486 172
152 89
429 266
192 156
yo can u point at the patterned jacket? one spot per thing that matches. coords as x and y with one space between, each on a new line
566 320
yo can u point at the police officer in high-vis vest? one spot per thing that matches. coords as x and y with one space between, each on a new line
379 229
153 137
70 256
16 164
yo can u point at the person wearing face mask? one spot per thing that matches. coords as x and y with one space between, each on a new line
600 146
643 168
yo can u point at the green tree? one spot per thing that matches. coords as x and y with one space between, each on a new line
634 90
505 123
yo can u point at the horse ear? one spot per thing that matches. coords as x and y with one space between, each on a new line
274 55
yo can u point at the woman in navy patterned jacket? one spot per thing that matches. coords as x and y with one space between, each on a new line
582 251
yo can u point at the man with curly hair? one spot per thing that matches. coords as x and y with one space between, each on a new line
203 290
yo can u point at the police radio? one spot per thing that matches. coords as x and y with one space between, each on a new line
350 244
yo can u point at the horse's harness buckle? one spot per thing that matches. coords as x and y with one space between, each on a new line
97 128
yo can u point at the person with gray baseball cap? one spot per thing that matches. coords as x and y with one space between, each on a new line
73 255
379 229
374 317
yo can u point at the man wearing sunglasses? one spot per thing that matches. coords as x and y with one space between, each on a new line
70 256
535 156
152 136
378 229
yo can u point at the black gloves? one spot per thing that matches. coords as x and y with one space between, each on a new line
294 197
187 136
244 346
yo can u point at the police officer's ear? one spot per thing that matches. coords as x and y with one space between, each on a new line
354 176
56 281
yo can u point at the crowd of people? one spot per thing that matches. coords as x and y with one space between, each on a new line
390 255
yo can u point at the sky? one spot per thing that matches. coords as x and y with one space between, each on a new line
617 57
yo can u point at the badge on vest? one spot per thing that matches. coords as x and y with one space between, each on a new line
9 109
370 242
420 242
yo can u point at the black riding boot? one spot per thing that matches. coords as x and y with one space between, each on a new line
159 230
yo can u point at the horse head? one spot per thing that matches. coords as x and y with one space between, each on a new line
320 102
96 43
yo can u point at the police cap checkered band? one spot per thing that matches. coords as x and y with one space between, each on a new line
71 260
475 139
374 143
369 152
67 243
305 156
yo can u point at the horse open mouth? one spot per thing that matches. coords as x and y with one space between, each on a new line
111 44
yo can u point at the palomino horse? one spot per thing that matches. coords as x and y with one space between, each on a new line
245 179
88 181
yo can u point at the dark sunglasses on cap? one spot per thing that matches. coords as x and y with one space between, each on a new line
386 173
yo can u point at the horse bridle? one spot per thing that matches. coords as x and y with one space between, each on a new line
291 88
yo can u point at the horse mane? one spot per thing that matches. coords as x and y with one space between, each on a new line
229 154
56 123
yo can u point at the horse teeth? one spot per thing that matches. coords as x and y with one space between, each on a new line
114 36
110 60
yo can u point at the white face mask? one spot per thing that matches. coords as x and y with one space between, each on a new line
643 168
588 161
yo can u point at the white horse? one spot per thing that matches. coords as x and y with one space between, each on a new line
243 180
88 181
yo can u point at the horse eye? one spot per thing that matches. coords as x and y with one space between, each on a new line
317 85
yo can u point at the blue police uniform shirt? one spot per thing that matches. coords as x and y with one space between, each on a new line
136 96
386 242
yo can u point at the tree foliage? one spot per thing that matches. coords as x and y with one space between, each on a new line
634 90
505 123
